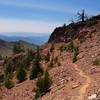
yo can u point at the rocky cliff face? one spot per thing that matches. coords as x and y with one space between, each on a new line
79 30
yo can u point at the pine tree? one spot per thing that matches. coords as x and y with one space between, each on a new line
43 84
21 72
36 69
8 82
8 73
47 81
29 58
30 55
8 68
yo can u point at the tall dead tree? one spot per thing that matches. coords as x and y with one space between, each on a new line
82 15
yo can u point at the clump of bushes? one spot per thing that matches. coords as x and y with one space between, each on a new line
43 85
54 61
76 52
70 46
62 48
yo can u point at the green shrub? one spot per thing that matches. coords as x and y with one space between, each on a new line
71 46
63 48
8 70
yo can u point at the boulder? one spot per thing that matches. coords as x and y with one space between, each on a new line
92 97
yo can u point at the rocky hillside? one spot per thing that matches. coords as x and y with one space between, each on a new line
73 64
79 30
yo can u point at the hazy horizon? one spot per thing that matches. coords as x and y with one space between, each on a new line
23 34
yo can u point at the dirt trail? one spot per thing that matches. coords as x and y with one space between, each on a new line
86 84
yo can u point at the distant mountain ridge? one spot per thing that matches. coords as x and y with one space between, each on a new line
31 39
6 47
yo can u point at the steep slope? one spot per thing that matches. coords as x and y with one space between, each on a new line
71 81
87 35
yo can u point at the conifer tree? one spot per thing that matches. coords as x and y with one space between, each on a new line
43 84
8 73
37 68
8 68
30 56
8 82
21 72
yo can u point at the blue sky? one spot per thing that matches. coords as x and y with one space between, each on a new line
41 16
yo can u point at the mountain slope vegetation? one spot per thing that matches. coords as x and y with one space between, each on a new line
70 64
